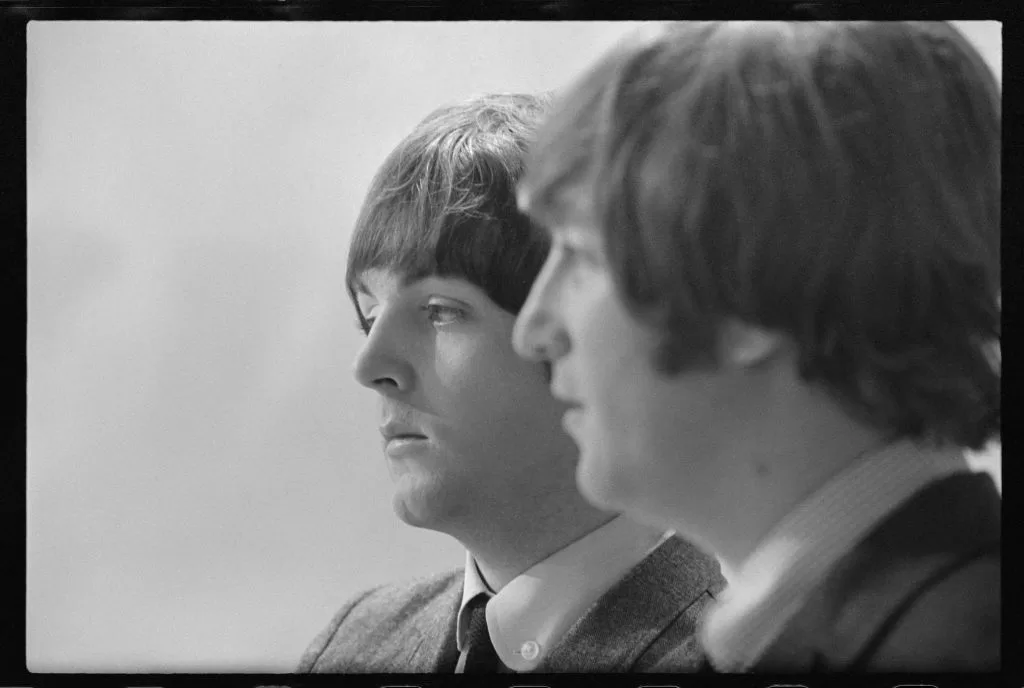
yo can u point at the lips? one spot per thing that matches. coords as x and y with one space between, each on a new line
393 430
574 408
561 386
572 419
562 396
406 446
401 438
394 437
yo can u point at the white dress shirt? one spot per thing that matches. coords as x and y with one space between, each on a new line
527 617
773 583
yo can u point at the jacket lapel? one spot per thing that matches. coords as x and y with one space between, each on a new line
426 643
626 620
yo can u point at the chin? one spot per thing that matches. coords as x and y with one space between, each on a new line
423 506
596 481
415 515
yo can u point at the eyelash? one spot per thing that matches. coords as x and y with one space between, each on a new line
575 261
575 253
434 309
364 325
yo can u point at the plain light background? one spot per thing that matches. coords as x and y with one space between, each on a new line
205 479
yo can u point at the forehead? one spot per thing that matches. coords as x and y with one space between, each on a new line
578 232
375 282
571 213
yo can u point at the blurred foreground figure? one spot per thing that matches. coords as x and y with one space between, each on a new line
440 263
772 301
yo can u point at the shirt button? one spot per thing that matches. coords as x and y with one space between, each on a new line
529 650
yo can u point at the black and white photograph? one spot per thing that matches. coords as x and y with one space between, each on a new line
513 347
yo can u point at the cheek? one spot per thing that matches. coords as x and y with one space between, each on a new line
630 419
491 395
612 352
630 448
480 371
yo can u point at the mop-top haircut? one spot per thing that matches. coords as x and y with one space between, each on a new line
444 202
835 182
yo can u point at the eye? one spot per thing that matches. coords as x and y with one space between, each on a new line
364 325
583 254
566 251
444 315
577 247
571 261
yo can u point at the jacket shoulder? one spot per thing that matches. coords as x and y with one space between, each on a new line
647 621
677 647
377 617
924 580
941 591
956 620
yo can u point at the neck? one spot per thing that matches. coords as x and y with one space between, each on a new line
781 474
503 553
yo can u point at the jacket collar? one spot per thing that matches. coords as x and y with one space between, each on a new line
617 629
529 615
428 642
610 636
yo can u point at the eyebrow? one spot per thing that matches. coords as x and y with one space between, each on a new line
577 235
404 281
542 221
566 209
359 286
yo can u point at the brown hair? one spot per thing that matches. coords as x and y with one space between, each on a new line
835 181
443 202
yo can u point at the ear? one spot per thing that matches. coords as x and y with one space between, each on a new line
741 345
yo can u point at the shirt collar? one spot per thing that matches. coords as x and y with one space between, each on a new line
795 555
529 615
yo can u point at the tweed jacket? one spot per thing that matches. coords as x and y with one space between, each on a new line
645 623
921 593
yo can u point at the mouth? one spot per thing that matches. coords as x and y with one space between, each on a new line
574 407
399 445
572 417
404 438
560 390
394 429
570 402
398 434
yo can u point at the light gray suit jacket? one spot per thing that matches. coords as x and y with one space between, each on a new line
645 623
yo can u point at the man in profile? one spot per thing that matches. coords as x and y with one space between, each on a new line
773 302
440 263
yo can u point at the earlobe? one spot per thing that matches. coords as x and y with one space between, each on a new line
742 345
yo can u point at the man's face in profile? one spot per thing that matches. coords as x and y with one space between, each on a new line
468 427
648 441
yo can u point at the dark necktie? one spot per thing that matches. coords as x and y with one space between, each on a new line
480 657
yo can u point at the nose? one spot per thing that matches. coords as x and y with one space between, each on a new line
538 334
381 364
